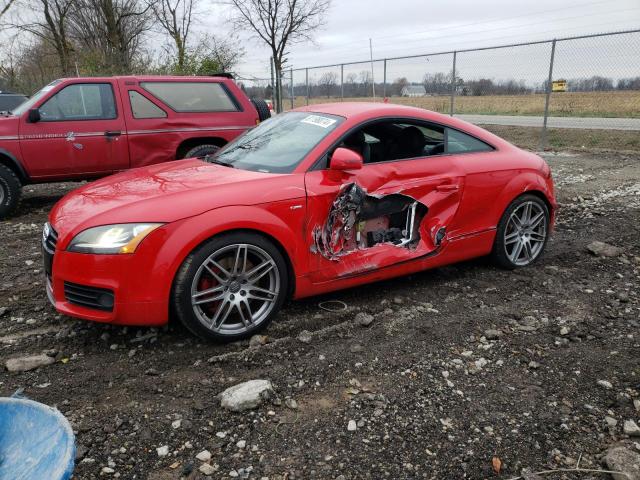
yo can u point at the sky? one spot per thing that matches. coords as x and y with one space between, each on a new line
412 27
415 27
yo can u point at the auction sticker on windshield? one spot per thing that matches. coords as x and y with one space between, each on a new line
318 121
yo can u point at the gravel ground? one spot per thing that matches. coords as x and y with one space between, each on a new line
465 372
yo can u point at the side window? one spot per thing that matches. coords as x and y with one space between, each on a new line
458 142
392 140
142 107
192 96
80 101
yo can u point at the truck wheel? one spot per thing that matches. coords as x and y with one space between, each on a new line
262 108
10 190
201 151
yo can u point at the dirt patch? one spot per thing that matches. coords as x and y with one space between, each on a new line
438 395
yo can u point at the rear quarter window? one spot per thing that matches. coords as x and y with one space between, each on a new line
458 142
192 96
144 108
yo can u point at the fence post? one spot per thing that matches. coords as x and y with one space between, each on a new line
453 85
273 87
292 90
306 71
384 80
342 83
543 134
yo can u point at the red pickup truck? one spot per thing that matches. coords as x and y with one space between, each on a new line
82 128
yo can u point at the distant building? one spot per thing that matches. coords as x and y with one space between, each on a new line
413 91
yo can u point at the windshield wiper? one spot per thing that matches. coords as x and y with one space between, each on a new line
209 159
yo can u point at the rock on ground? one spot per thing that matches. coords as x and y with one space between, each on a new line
258 340
492 334
23 364
631 428
245 396
163 451
305 336
207 469
625 461
204 456
602 249
364 319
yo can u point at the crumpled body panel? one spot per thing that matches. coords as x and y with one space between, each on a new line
384 214
358 220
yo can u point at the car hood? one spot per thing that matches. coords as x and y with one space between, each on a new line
8 127
168 192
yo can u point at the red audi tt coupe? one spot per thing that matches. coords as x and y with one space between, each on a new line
317 199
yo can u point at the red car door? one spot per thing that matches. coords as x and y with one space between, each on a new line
80 132
388 212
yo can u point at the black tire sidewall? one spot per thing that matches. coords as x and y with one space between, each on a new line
181 292
11 187
264 113
201 151
499 253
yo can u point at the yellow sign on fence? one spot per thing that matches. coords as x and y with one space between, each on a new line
559 86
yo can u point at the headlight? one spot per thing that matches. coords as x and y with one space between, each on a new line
122 238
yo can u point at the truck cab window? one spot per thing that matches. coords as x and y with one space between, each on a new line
80 101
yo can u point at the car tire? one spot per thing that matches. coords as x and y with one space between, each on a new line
262 108
522 233
201 151
10 191
214 295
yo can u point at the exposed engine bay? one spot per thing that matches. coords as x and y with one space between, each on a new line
358 220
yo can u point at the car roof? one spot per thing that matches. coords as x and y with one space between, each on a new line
356 112
150 78
351 109
367 110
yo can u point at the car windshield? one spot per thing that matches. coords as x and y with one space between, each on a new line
279 144
23 107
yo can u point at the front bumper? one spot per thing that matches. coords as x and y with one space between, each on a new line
140 297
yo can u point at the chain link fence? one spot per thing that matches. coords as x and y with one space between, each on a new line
584 82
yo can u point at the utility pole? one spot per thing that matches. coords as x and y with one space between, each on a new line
373 80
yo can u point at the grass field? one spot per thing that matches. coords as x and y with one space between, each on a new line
570 138
625 104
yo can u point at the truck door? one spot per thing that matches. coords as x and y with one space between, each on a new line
81 132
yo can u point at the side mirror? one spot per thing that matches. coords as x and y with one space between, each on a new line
34 115
345 159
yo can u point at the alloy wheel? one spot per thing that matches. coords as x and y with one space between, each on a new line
526 233
235 289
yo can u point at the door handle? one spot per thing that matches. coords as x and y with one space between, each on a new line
447 187
112 133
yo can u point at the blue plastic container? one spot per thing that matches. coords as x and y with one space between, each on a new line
36 441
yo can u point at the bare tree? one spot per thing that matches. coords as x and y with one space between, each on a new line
280 23
219 54
27 63
365 82
398 85
175 18
49 21
113 30
327 83
4 6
